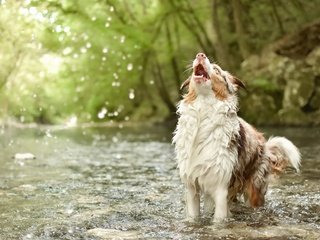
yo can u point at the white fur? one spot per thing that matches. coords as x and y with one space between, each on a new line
206 158
289 150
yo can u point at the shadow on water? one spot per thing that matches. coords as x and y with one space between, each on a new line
122 183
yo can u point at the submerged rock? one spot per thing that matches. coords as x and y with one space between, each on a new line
113 234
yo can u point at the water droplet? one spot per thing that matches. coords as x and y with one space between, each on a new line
34 95
102 113
66 29
85 36
88 45
127 118
105 50
151 82
129 66
67 51
107 25
94 18
29 236
122 39
58 28
115 84
83 50
72 121
75 55
109 19
104 59
131 94
53 18
79 89
115 139
111 9
48 134
115 75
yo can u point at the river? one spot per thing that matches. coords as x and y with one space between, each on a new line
122 183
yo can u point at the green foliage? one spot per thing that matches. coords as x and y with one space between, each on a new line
104 60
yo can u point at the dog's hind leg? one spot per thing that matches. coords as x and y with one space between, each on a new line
192 202
221 208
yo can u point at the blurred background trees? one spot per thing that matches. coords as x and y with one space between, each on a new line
105 60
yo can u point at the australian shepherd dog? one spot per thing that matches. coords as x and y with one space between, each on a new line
219 155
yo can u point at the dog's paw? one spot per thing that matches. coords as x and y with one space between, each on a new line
218 219
191 220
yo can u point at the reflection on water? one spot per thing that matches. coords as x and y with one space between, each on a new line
104 183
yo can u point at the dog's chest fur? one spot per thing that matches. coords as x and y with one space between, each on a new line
204 139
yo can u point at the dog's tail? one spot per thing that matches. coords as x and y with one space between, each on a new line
281 153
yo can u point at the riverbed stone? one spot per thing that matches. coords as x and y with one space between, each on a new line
114 234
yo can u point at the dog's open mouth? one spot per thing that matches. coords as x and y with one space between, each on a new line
200 73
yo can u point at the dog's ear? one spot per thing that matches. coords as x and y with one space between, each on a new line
233 83
237 83
185 83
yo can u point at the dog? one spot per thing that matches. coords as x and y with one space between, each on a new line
220 155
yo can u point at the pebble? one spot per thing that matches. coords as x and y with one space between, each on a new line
24 156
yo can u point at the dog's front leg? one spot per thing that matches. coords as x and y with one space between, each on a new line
221 201
192 203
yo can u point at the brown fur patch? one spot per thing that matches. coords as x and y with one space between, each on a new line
256 197
219 88
277 162
190 96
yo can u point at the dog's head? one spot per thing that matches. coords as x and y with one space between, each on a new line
208 78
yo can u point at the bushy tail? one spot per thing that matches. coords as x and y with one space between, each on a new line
281 153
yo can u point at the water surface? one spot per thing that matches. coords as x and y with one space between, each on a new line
122 183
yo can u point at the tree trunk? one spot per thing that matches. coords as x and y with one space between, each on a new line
241 35
163 92
277 16
188 25
220 46
173 59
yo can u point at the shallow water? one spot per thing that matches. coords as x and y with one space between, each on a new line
122 183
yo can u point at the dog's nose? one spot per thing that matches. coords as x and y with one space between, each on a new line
200 56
